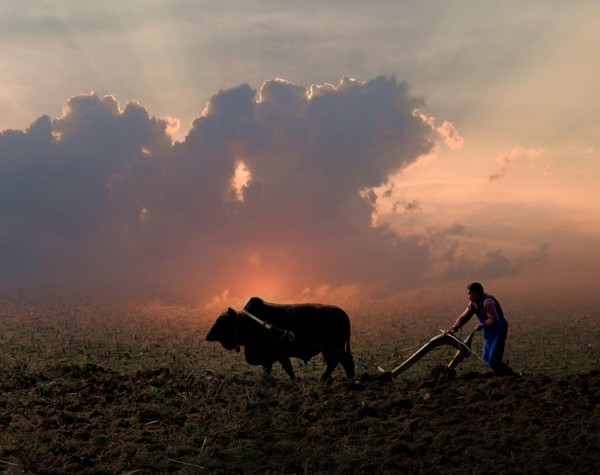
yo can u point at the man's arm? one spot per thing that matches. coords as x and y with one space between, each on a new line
492 313
462 319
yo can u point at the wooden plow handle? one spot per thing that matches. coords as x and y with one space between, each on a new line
463 351
440 340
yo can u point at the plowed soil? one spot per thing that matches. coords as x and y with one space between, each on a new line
99 388
90 420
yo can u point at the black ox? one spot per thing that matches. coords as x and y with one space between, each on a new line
273 332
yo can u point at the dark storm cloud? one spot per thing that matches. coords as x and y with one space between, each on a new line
101 198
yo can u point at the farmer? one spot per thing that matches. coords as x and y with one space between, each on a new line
492 321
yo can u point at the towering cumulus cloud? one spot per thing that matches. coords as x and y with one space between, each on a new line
268 194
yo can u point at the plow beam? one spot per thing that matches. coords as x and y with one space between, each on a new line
440 340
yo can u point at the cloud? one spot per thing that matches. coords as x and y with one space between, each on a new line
451 136
458 253
264 194
515 156
490 265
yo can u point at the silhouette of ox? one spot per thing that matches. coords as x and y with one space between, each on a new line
274 332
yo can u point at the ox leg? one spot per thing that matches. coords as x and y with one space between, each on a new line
332 362
348 363
287 366
267 369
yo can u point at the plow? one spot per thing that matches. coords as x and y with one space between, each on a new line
444 339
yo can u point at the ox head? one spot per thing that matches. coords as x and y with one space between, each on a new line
224 330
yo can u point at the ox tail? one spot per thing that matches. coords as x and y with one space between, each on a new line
348 343
348 360
348 337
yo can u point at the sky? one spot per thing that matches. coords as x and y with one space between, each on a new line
299 151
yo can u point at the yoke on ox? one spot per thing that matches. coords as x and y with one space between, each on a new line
274 332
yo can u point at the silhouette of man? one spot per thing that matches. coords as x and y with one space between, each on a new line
488 311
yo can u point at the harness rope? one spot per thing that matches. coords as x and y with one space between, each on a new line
463 344
291 337
284 333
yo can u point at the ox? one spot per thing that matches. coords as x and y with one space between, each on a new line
273 332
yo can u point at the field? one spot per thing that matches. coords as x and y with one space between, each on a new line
96 388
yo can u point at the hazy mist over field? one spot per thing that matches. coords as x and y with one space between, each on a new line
401 152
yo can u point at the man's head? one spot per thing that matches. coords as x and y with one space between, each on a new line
474 291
